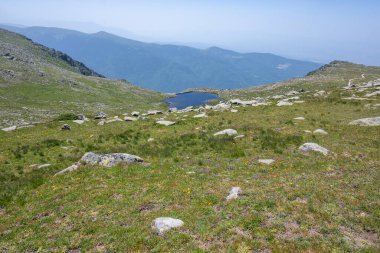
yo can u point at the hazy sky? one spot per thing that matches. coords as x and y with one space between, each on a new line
319 30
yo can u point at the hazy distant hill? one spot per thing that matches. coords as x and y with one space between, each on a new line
167 67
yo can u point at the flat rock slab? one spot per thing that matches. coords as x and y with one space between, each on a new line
234 193
284 103
9 129
319 131
165 122
310 146
202 115
266 161
299 118
109 160
366 122
229 132
78 121
163 224
130 119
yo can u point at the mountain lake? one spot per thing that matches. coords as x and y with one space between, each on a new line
183 100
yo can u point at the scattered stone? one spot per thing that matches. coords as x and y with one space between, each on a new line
319 131
43 166
234 110
150 139
101 123
109 160
266 161
299 118
307 131
78 121
366 122
73 167
292 92
284 103
173 110
130 118
101 115
320 93
115 119
234 193
163 224
66 127
165 122
309 146
278 96
229 132
9 129
239 136
202 115
373 105
154 112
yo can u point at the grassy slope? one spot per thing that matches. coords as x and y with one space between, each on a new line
37 86
300 203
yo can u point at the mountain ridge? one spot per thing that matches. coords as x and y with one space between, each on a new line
165 67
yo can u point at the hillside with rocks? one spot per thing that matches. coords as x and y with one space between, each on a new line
38 83
287 167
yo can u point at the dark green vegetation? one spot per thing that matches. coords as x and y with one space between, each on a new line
300 203
38 83
168 68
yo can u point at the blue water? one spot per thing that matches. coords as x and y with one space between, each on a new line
183 100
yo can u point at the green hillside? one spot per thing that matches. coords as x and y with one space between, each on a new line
300 202
38 83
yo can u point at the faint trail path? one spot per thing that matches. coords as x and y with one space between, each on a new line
350 81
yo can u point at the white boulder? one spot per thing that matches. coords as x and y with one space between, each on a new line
234 193
163 224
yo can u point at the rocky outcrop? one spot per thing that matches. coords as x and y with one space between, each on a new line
109 160
366 122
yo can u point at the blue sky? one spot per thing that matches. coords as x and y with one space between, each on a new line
319 30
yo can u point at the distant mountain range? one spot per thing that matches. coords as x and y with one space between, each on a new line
167 68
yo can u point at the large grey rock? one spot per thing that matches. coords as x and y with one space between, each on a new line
367 122
310 146
165 122
163 224
234 193
135 114
109 160
229 132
